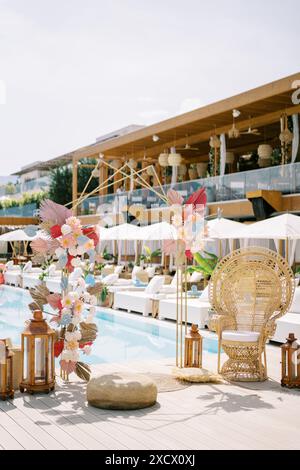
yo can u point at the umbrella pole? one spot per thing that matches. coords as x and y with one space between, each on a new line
287 250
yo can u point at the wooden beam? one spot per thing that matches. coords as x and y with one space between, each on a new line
273 198
252 97
18 221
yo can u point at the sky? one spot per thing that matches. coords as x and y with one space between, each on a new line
72 70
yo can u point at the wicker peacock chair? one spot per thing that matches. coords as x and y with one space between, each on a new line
249 290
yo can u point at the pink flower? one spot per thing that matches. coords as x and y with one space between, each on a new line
68 241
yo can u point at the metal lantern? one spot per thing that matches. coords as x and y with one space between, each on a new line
193 348
38 371
290 363
6 371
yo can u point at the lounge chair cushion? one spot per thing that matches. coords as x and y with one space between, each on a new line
9 264
204 296
136 270
28 267
295 307
155 285
150 271
196 277
118 270
241 336
111 279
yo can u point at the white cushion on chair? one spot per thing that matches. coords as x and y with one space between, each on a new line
196 277
118 269
110 280
150 271
241 336
136 269
295 307
28 267
155 285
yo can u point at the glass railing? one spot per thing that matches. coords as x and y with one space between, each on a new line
39 184
28 210
285 179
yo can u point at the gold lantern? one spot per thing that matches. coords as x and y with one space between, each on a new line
193 348
290 363
6 371
38 371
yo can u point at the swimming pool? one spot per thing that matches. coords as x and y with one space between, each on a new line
121 337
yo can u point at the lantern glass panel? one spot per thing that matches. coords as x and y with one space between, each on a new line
26 362
40 360
50 371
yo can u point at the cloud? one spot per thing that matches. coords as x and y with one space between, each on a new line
154 115
189 104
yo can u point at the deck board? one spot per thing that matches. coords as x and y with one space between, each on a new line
229 416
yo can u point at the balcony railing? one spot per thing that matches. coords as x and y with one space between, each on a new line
285 179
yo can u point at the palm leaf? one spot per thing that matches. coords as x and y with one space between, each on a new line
83 371
39 294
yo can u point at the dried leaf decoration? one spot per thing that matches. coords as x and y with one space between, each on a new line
55 213
88 332
33 306
83 371
39 295
96 289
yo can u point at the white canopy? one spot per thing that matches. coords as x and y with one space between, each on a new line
283 227
16 236
224 229
160 231
120 232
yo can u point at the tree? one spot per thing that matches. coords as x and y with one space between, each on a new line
61 182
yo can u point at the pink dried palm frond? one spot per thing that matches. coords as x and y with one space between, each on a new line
40 245
52 246
174 197
56 213
169 247
54 300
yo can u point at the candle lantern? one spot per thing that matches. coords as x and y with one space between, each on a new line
38 371
6 371
193 348
290 363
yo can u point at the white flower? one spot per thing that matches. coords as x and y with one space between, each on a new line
60 252
93 300
92 310
90 319
80 250
66 311
66 355
86 297
73 251
76 262
87 350
77 335
66 229
81 282
76 320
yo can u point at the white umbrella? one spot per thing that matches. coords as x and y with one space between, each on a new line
160 231
282 227
121 232
16 236
224 229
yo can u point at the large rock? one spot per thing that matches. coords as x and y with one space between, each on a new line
121 391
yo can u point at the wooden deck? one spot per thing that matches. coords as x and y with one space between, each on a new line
249 416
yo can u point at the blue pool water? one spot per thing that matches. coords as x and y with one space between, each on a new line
119 338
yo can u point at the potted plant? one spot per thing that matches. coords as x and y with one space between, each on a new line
204 264
149 255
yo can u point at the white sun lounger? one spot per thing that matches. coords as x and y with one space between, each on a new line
12 275
139 301
289 323
197 309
